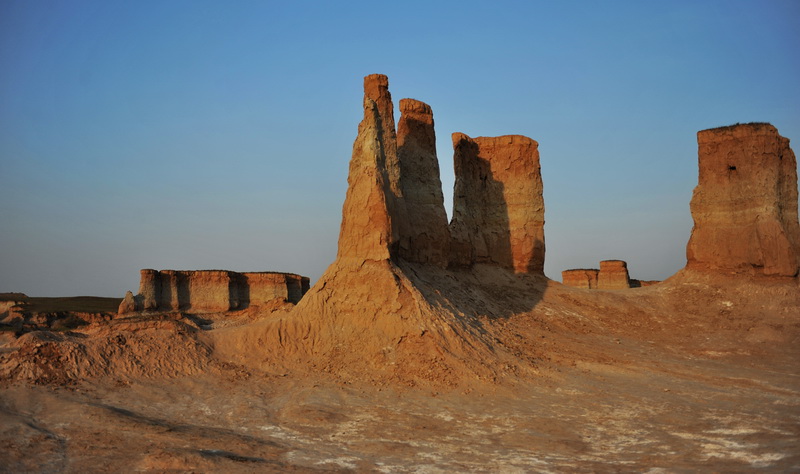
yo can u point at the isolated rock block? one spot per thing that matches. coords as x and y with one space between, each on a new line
498 208
745 204
580 278
613 275
128 304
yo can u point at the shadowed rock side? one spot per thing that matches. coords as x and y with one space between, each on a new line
498 209
745 204
426 239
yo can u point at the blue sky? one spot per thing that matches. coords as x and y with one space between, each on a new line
200 134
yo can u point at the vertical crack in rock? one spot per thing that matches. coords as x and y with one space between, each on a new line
745 204
426 238
498 208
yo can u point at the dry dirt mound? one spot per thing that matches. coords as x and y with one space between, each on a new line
144 346
387 323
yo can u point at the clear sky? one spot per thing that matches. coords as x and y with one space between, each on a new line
209 134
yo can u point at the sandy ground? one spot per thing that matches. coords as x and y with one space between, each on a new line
707 415
682 377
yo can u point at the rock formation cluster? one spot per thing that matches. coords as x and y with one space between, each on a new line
612 275
745 204
412 298
211 291
395 209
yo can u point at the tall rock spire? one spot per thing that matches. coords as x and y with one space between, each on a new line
368 230
426 238
376 88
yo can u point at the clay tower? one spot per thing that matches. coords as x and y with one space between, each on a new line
745 204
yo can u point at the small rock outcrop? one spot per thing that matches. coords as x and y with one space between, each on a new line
745 204
128 304
498 208
211 291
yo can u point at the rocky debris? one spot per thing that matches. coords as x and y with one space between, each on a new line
57 314
745 204
580 277
212 291
498 208
426 239
122 348
10 306
613 275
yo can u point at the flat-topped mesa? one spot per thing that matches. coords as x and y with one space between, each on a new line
585 278
426 238
745 204
212 291
498 208
613 275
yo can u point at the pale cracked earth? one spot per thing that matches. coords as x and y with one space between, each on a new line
674 416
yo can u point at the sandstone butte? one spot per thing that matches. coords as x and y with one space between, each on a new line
745 204
612 275
413 299
212 291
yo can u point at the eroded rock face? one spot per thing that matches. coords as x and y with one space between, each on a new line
212 291
149 289
370 228
613 275
580 278
426 238
745 204
498 209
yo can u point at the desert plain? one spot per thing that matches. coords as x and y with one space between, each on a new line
436 346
